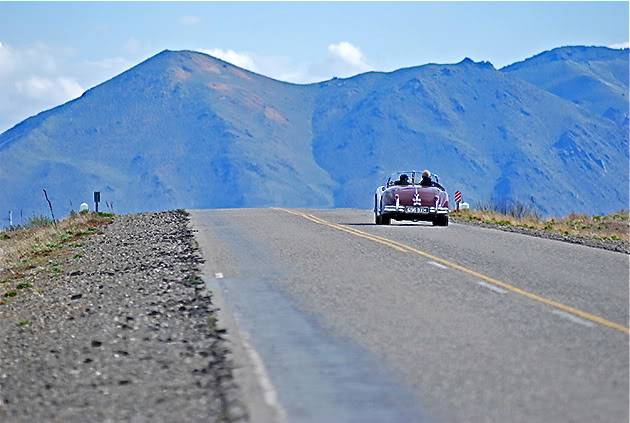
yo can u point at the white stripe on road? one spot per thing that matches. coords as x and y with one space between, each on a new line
218 275
573 318
441 266
492 287
269 392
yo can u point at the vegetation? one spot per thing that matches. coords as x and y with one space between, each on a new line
610 227
37 246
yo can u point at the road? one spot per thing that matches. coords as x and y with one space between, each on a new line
335 319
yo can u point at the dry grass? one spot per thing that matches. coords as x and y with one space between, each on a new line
29 250
611 227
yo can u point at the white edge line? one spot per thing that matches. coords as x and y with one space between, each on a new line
218 275
573 318
491 287
270 394
441 266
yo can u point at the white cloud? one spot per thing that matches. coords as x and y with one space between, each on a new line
71 88
6 60
242 60
37 77
189 20
49 89
349 54
620 45
341 59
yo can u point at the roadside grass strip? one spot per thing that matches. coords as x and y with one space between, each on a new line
403 248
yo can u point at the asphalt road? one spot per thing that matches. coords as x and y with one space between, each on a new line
338 320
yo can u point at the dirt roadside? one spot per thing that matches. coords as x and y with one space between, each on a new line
122 329
621 246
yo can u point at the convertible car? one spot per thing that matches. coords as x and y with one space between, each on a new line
403 197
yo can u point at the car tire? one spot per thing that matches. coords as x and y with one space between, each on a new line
386 220
441 220
378 219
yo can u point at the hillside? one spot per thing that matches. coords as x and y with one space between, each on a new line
594 77
184 129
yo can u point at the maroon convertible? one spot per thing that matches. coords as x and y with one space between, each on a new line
403 197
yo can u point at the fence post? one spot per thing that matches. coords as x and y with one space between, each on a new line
51 209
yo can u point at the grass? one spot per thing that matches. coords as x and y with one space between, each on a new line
610 227
37 246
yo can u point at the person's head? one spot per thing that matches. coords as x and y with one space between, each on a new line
404 177
426 174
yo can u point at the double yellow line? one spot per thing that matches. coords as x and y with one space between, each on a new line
403 248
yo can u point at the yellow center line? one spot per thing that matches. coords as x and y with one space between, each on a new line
348 230
398 246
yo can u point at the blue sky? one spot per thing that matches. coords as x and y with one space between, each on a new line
52 52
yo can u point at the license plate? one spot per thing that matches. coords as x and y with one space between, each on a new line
417 210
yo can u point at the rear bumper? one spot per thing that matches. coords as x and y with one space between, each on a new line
400 213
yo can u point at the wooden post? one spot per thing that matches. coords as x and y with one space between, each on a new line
51 209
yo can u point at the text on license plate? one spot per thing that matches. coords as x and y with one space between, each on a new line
417 210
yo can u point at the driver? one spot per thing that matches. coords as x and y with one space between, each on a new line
404 180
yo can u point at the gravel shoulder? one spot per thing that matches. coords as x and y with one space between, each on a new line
123 330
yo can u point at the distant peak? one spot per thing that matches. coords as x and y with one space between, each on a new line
481 64
573 53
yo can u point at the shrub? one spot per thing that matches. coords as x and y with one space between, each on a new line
39 222
513 208
105 214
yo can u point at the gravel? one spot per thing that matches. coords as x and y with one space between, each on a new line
619 246
125 332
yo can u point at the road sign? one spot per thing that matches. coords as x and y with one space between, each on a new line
97 199
458 196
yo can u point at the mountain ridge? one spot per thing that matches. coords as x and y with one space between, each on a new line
184 129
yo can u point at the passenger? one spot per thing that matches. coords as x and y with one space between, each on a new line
428 182
426 179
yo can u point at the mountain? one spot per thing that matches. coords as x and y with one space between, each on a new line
595 78
184 129
181 129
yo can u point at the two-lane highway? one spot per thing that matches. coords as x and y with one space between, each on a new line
336 319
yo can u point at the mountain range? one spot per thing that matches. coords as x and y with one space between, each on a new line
184 129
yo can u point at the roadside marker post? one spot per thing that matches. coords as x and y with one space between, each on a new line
458 198
97 199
